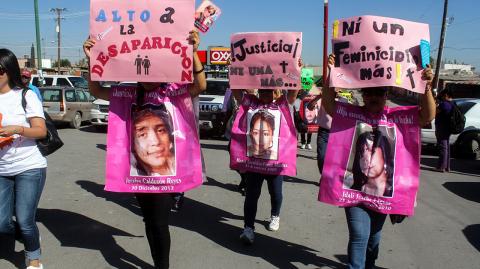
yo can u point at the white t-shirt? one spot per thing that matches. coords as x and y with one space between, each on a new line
23 153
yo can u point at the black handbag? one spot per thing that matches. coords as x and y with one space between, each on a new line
52 141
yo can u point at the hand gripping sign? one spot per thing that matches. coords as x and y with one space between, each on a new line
373 51
143 40
265 61
372 160
152 145
264 138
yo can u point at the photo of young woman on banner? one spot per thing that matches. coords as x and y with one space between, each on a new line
147 138
153 141
371 165
264 137
263 129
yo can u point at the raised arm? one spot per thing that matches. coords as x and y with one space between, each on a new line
94 86
199 82
328 94
427 102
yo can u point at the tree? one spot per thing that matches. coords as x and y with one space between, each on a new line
63 63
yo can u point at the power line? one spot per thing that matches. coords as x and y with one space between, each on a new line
44 16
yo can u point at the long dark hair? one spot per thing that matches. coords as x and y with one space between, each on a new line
9 62
379 141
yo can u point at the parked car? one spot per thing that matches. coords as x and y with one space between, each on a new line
60 80
99 113
67 104
212 117
466 144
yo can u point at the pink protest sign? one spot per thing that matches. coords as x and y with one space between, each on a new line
373 51
264 138
206 14
152 142
141 40
372 160
265 61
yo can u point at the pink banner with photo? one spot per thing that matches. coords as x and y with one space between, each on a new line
265 61
310 117
372 160
205 15
152 145
264 138
141 40
372 51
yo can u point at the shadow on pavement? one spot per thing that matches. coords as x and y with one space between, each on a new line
300 181
306 156
92 129
102 146
466 190
227 186
78 231
457 166
472 233
8 253
215 147
211 223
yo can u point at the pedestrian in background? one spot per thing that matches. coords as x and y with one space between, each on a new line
442 129
26 77
23 169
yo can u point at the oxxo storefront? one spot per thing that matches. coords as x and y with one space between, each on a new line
215 61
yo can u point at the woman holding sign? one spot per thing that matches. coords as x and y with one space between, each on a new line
263 117
153 149
372 167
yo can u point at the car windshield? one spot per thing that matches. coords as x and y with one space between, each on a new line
216 87
464 106
79 82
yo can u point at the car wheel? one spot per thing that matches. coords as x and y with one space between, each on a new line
76 121
470 146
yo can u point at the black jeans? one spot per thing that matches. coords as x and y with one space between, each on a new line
156 211
254 188
308 140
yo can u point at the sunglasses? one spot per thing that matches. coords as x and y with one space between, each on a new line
2 71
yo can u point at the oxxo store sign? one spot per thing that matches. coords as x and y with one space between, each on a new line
218 55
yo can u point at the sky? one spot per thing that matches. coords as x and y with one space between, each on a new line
462 37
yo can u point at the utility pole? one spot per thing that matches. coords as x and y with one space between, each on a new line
37 32
325 42
58 19
440 47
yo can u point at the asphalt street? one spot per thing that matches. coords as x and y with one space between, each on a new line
82 226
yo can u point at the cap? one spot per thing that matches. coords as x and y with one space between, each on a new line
26 73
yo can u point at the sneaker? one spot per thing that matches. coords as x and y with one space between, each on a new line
274 223
309 146
302 146
247 236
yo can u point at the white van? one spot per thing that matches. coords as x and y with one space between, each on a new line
60 80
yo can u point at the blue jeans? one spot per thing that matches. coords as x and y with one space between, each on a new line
365 228
322 141
22 193
254 182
